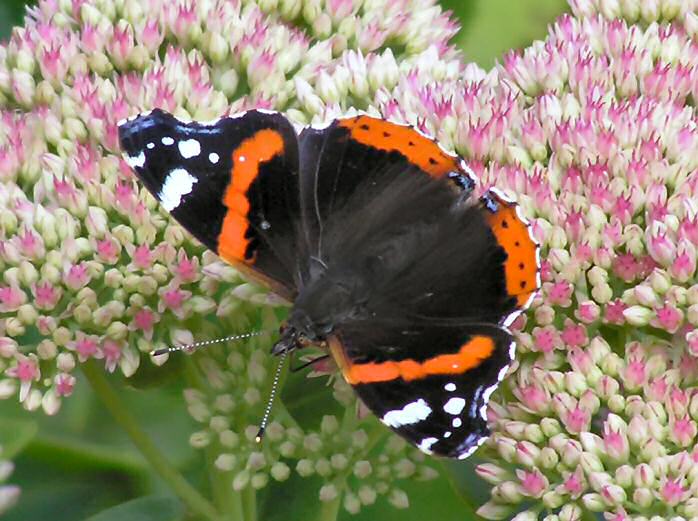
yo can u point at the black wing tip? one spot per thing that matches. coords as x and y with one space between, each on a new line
132 130
142 116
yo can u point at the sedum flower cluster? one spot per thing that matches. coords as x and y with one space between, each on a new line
93 271
597 134
593 130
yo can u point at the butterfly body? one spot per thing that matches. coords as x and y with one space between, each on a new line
371 230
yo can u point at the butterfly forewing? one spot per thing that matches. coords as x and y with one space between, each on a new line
233 184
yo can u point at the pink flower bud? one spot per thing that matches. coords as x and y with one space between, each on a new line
111 350
573 334
683 267
673 491
78 276
533 483
46 295
668 317
11 298
64 384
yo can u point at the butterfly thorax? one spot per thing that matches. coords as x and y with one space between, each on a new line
330 298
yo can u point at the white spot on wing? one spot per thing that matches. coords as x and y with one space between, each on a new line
189 148
457 422
178 183
450 387
167 141
213 157
411 413
242 159
150 146
136 161
426 443
454 405
447 434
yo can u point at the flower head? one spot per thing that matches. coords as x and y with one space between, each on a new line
94 267
594 148
593 130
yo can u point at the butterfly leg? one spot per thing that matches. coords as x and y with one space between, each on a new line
309 362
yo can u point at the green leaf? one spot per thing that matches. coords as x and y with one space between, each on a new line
15 435
493 27
149 508
11 12
150 376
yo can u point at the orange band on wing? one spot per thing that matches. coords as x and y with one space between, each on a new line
247 157
521 266
419 150
470 355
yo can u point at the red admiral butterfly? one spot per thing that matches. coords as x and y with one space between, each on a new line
371 230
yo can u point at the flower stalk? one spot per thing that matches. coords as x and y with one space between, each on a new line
195 502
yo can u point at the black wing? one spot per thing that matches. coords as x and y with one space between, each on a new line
232 184
438 401
410 274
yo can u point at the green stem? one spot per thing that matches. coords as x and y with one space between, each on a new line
249 503
188 494
83 454
228 501
192 374
376 433
330 509
281 412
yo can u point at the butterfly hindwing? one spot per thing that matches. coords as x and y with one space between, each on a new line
438 402
233 184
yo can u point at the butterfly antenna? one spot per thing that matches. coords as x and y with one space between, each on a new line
270 401
203 343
